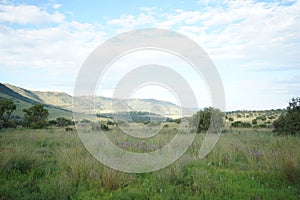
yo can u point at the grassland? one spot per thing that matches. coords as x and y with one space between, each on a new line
245 164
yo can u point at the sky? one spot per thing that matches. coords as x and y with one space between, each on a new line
255 45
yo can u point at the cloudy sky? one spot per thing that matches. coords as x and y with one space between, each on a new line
254 44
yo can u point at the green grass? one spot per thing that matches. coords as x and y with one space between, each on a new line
245 164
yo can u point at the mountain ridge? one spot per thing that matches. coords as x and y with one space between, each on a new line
24 101
63 102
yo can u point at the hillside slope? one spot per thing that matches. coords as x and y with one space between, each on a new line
102 104
59 99
25 99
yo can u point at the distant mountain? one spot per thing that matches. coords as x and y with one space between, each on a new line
61 103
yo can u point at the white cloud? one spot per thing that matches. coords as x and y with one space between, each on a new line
56 6
231 29
249 31
51 54
28 14
242 30
129 22
63 45
150 10
179 18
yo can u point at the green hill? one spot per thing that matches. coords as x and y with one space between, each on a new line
25 99
58 99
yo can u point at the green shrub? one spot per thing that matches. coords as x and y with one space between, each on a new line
36 116
289 122
239 124
52 122
7 106
207 118
178 121
262 118
61 121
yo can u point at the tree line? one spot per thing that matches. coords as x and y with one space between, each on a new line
36 116
288 122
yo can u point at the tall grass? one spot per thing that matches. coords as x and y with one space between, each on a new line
53 164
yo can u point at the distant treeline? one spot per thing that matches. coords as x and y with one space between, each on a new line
135 116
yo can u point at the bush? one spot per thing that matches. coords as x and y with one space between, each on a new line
6 109
262 118
104 127
207 118
101 127
110 123
36 116
289 122
61 121
239 124
52 122
271 117
178 121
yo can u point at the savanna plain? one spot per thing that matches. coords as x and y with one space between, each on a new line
246 163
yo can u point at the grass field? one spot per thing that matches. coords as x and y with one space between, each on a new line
245 164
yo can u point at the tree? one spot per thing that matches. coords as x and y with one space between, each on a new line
289 122
6 109
36 116
61 121
208 118
52 122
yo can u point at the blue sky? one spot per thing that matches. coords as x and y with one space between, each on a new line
255 45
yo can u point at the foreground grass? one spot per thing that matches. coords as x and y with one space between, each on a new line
245 164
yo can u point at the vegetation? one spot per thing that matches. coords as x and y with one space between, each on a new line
239 124
104 126
248 162
207 117
134 116
289 122
245 164
36 116
6 109
61 121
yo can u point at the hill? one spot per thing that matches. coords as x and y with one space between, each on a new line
60 104
25 99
